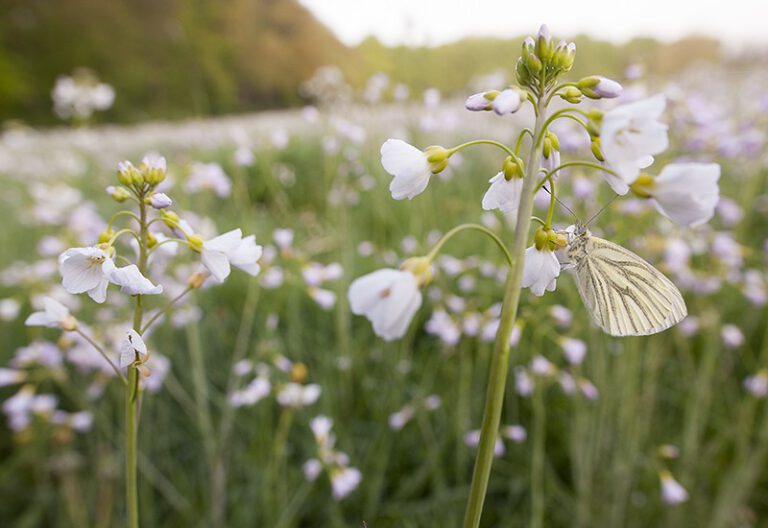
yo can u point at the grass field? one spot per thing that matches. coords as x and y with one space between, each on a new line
598 433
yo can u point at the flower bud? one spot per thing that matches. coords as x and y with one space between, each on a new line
160 201
522 74
480 101
437 157
196 280
106 235
118 194
195 243
565 53
127 174
509 101
598 87
151 240
69 323
153 170
597 150
571 94
420 267
170 218
551 136
544 43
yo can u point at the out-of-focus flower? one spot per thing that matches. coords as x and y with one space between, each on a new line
472 439
231 248
11 376
630 135
574 350
672 492
687 193
344 480
9 309
389 298
53 315
516 433
297 395
208 176
732 336
757 385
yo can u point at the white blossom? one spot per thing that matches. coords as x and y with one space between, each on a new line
132 282
131 346
297 395
389 298
672 492
86 270
540 270
687 193
408 165
53 315
231 248
630 136
503 194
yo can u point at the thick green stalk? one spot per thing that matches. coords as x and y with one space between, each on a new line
497 378
132 388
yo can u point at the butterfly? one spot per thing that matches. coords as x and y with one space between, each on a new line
626 295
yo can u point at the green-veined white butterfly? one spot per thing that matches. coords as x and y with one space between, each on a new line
626 295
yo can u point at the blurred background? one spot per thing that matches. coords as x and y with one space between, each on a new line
271 114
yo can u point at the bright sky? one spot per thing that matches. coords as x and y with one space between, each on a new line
438 21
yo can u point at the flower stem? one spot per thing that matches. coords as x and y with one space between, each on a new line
497 377
537 460
476 227
132 388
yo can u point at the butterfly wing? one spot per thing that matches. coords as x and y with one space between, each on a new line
626 295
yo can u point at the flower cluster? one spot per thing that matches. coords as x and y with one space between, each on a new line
344 478
80 95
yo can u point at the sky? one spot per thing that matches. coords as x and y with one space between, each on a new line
434 22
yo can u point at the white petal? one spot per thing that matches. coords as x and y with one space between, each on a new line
217 263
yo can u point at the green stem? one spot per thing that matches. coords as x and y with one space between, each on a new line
497 377
165 310
502 146
463 227
95 345
520 137
537 460
132 388
121 213
551 212
584 164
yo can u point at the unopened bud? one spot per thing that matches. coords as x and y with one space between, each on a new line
541 238
480 101
598 87
513 167
106 235
151 240
127 174
170 218
597 150
571 94
509 101
153 170
160 201
643 185
118 194
196 280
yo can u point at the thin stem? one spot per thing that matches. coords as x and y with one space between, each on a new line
95 345
165 310
557 89
497 377
551 211
166 241
566 112
520 137
463 227
502 146
537 460
122 213
132 399
122 232
584 164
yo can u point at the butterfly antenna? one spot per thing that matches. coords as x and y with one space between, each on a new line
561 203
603 208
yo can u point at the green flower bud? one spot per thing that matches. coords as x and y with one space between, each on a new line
597 150
119 194
106 235
170 218
643 185
571 94
127 174
541 238
552 137
195 243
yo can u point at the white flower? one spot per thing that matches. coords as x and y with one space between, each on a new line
344 481
732 336
408 165
53 315
312 469
132 282
297 395
321 427
508 101
231 248
757 385
503 194
630 135
132 345
478 102
672 492
516 433
574 350
160 201
208 176
389 299
254 392
326 299
11 376
86 270
540 270
687 193
598 87
399 419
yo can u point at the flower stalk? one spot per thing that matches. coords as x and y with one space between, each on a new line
497 377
